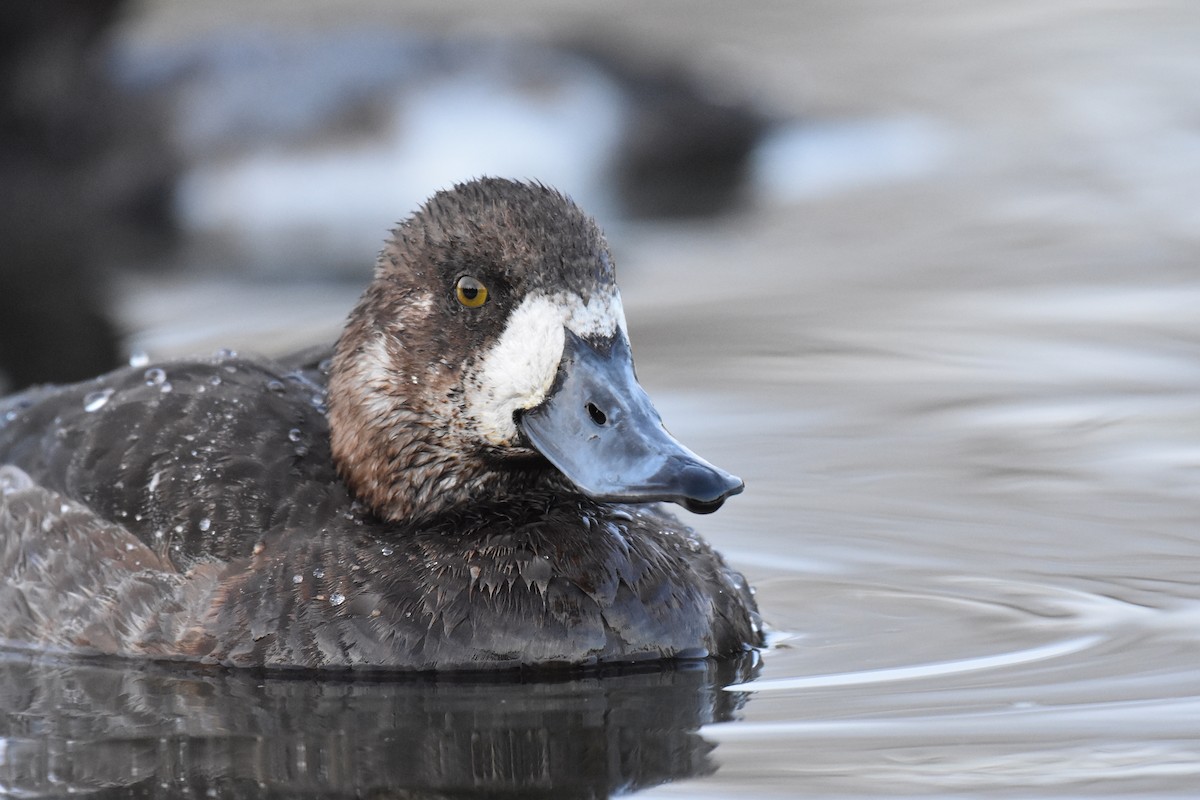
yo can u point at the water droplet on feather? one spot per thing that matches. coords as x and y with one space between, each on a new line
95 401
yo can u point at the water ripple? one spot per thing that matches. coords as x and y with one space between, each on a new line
1041 653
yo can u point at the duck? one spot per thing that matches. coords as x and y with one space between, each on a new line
470 479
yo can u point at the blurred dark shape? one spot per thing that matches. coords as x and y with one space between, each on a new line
687 148
112 731
52 329
79 191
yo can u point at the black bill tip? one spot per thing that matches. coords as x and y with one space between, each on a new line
699 486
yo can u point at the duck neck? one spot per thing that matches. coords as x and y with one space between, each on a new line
398 435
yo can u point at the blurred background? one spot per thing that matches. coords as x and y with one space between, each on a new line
924 273
157 153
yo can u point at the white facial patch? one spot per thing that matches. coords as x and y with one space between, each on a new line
519 370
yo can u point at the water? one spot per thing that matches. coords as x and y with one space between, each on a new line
973 515
964 400
111 731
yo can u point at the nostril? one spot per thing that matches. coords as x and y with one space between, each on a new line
598 416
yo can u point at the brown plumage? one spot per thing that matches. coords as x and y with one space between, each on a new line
209 510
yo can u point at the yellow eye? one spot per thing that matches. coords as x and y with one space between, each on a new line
471 293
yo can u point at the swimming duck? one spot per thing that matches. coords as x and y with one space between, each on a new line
467 481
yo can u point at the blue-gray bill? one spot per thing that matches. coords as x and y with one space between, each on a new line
599 428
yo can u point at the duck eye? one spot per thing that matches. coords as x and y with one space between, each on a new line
471 293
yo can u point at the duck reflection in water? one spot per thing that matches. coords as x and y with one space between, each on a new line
103 731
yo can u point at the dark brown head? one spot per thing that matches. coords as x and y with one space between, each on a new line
491 342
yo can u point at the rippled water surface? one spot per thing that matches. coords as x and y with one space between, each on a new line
965 398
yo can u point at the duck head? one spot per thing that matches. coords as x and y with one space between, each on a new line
489 355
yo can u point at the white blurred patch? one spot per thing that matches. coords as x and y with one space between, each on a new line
810 159
343 196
